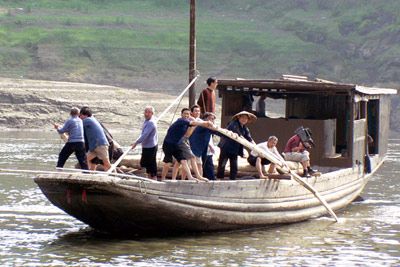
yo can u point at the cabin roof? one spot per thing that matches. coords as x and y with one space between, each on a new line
299 85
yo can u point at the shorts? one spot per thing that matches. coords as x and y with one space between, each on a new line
185 147
101 152
297 156
172 150
252 161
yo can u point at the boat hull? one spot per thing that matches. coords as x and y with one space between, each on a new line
132 207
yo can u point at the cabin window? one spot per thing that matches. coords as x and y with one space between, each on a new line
264 106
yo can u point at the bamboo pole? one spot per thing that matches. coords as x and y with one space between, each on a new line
77 172
280 162
113 166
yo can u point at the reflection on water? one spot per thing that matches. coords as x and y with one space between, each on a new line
35 233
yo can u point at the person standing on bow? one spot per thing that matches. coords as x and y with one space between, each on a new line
230 149
96 139
149 140
75 143
207 97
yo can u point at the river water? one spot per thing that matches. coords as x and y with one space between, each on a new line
35 233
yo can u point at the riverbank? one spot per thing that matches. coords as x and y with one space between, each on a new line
36 104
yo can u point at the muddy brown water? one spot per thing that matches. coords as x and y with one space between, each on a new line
35 233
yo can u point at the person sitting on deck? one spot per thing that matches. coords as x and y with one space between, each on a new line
172 140
149 140
296 150
96 139
230 149
75 143
255 160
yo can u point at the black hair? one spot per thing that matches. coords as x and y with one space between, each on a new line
86 111
193 107
184 109
211 80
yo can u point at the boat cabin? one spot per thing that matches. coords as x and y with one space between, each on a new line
340 116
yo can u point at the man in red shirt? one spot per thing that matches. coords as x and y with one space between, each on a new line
207 97
296 150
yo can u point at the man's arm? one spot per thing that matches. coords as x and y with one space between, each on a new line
147 131
64 129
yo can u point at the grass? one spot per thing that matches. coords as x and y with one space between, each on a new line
133 41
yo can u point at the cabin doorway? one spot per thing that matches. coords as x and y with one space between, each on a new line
373 126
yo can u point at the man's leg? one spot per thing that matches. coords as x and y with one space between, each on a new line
271 168
65 152
165 170
89 158
175 170
186 168
259 167
234 166
80 155
208 167
196 170
223 159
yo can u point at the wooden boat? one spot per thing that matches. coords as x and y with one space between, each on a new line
341 116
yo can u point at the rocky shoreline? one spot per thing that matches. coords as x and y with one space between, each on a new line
36 104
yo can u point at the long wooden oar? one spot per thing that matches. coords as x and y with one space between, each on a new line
278 161
78 172
113 166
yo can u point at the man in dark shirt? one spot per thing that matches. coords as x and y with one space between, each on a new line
207 97
173 138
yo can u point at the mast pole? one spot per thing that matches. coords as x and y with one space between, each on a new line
192 52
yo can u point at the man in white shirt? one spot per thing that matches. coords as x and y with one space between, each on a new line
258 162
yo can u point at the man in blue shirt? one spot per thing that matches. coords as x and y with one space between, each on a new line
149 140
173 138
96 139
75 143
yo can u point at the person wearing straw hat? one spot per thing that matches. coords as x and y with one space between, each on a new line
230 149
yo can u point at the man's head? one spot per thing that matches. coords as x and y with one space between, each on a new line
148 112
209 116
212 82
85 112
74 112
272 141
195 111
185 113
243 119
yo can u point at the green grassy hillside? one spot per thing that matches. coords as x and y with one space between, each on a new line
144 43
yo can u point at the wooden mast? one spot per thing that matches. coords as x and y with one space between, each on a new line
192 52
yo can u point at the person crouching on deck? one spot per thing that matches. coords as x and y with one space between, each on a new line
187 152
75 143
296 150
256 161
173 138
96 139
231 149
149 140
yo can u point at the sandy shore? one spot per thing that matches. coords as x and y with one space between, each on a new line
33 104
